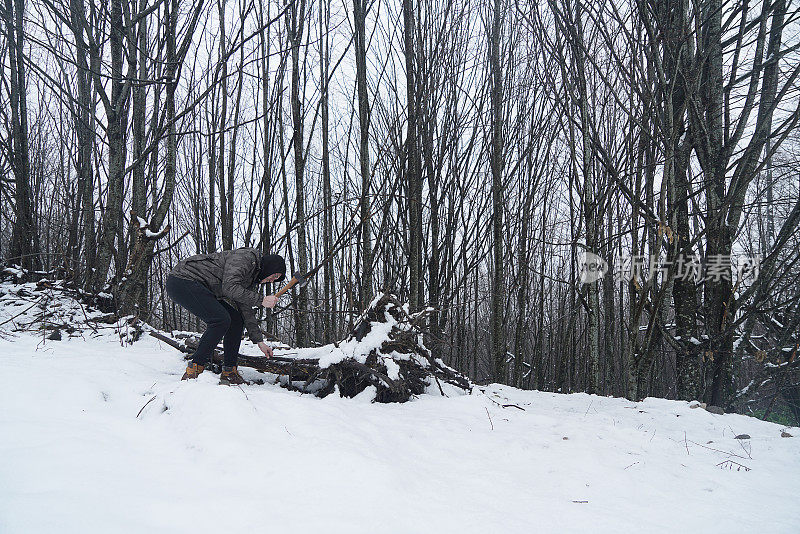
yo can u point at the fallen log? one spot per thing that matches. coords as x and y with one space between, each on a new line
276 365
384 351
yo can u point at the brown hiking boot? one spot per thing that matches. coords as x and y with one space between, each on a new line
230 377
192 371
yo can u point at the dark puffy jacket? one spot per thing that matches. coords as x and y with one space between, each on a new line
232 275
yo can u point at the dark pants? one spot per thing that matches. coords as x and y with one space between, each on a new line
222 320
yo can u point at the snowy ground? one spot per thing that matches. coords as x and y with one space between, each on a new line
201 457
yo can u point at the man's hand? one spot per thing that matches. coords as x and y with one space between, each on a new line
266 349
269 301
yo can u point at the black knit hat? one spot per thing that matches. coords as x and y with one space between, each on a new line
271 264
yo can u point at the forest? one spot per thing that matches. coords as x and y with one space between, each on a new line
597 197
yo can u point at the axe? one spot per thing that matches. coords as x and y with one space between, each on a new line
298 279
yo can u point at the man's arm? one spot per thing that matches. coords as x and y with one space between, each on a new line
236 278
251 324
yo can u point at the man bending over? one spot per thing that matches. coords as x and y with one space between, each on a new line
221 289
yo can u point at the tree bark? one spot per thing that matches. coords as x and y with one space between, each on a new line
296 29
359 19
23 248
116 108
499 349
413 173
328 295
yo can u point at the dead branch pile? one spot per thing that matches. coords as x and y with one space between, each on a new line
384 350
37 301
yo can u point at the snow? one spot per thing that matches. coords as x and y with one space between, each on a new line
359 350
352 348
775 365
74 456
392 368
19 273
150 233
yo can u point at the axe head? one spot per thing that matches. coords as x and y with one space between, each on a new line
300 277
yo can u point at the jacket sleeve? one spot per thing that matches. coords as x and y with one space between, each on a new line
251 324
236 277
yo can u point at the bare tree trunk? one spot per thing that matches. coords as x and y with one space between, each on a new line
235 134
226 220
133 288
116 108
539 364
327 215
672 19
212 180
590 208
413 174
83 114
23 249
522 292
296 27
718 244
139 192
359 19
498 275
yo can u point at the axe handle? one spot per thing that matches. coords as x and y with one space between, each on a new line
287 287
